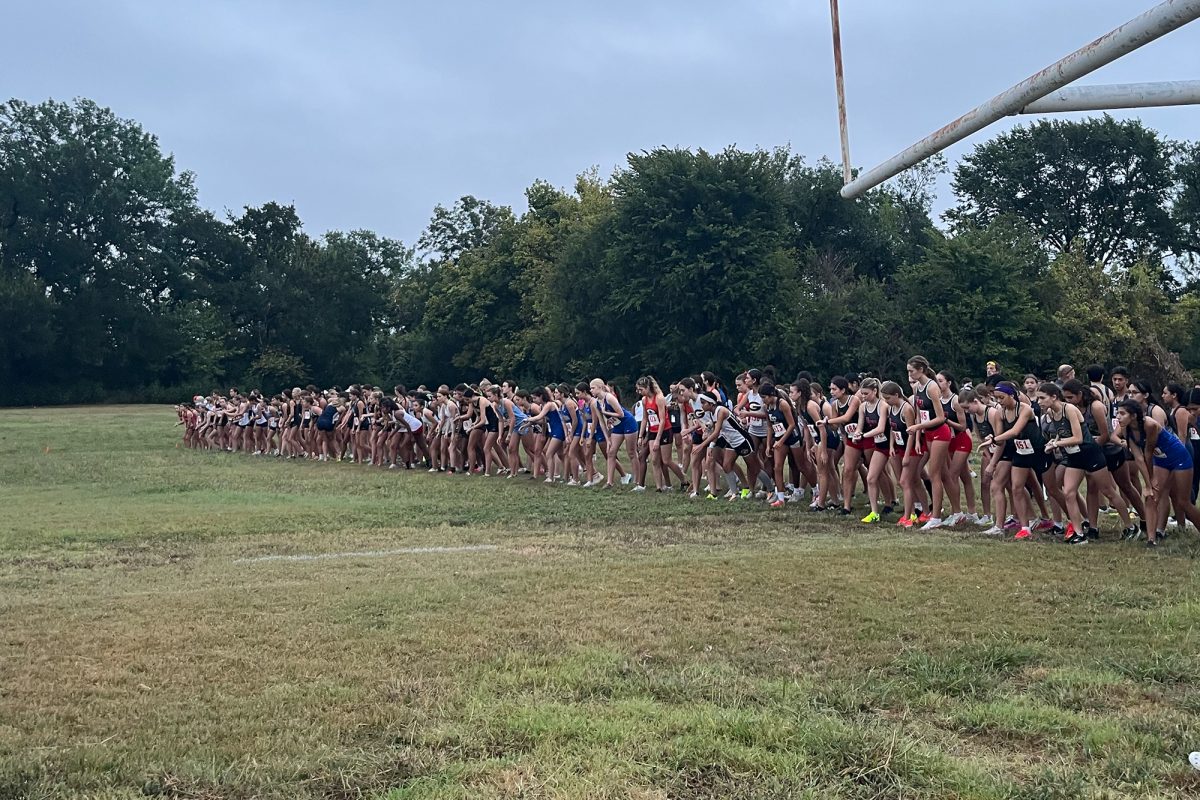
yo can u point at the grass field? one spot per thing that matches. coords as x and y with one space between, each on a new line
607 645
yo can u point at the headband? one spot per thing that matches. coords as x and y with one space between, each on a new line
707 398
1008 390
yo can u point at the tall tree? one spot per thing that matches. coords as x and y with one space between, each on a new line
1100 185
88 205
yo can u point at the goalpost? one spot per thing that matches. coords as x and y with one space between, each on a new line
1041 93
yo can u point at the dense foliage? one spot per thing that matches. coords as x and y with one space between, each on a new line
1070 241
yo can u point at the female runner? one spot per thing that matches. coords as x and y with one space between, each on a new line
1163 461
933 432
872 429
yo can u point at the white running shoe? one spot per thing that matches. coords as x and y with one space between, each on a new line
760 495
934 522
572 482
954 519
693 496
995 530
638 489
627 478
985 520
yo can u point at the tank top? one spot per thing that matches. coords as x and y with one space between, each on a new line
779 422
871 422
899 428
655 417
754 404
948 410
923 404
731 434
839 410
1169 451
1028 441
554 421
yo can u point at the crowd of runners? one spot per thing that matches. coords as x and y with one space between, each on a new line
1052 455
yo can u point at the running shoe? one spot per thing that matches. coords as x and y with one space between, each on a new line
954 519
1024 533
638 489
870 518
760 495
814 507
843 512
1132 532
925 517
778 502
985 521
572 482
1172 522
1043 525
627 479
744 494
1151 543
931 523
995 530
693 496
1069 532
711 496
1011 523
888 509
1076 538
907 522
1090 532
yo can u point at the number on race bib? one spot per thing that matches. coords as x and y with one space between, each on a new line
851 428
778 428
812 431
1024 447
898 438
652 418
924 416
881 438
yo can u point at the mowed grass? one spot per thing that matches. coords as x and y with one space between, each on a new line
609 646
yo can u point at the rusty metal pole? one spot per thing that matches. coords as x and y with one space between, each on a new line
1157 22
841 90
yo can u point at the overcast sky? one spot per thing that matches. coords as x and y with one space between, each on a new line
366 114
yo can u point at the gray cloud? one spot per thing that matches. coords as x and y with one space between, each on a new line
367 114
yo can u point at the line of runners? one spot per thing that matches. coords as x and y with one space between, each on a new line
1068 450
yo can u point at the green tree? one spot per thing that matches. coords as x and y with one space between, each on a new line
88 205
971 299
1099 185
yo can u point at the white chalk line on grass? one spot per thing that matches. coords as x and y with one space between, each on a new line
401 551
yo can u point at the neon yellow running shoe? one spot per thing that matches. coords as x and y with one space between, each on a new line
869 518
745 494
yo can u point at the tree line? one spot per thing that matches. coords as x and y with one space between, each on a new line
1069 241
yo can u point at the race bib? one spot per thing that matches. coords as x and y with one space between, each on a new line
881 438
1194 435
812 431
898 437
1072 450
851 428
924 416
652 418
468 425
778 428
1024 447
1158 453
